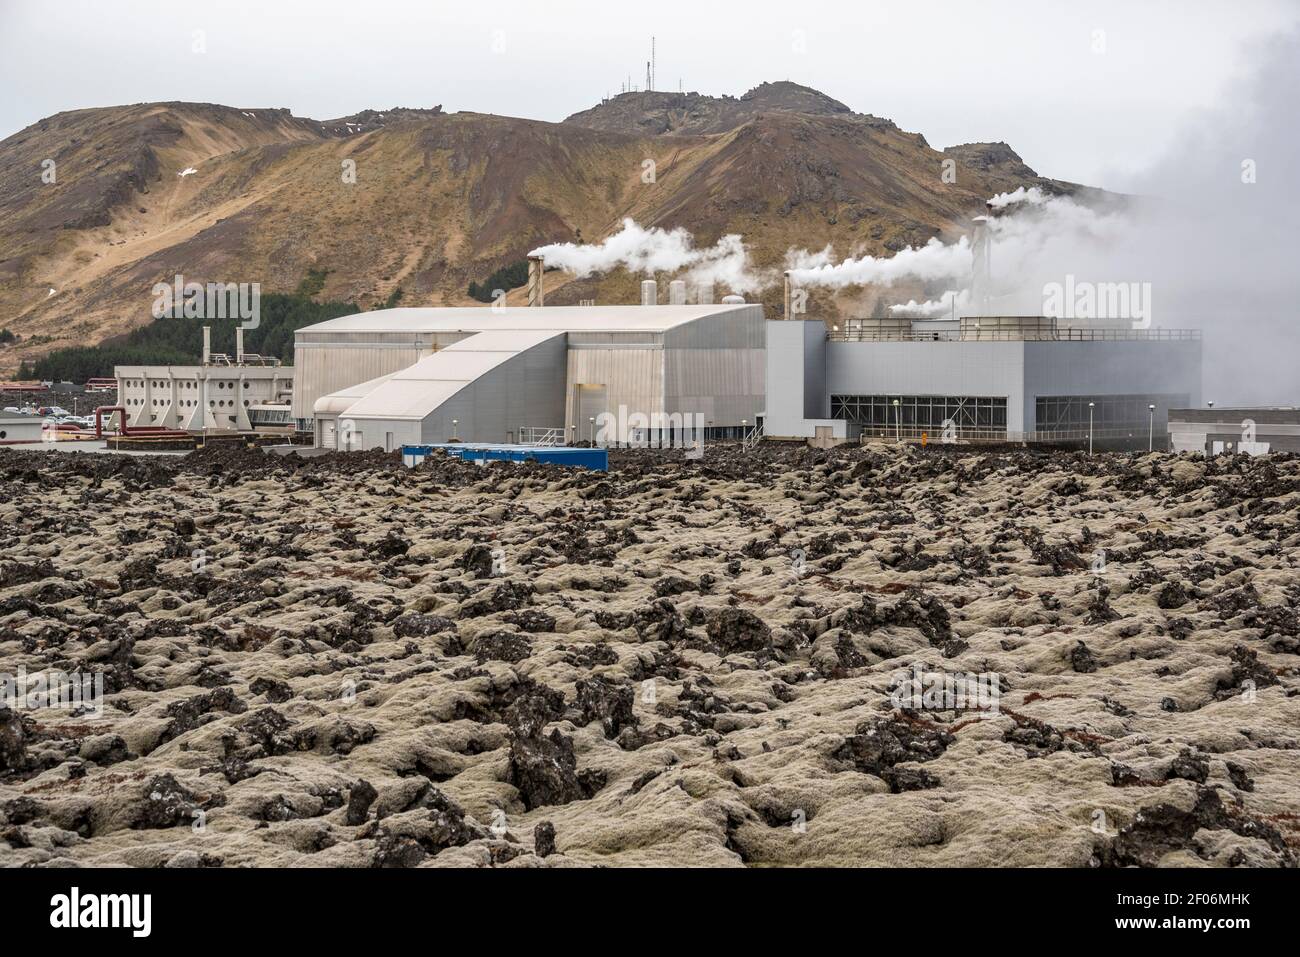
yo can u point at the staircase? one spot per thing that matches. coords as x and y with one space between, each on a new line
539 436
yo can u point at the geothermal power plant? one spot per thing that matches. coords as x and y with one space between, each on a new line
524 374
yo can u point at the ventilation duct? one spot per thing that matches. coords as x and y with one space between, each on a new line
536 266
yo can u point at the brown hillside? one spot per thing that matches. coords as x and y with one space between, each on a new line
443 199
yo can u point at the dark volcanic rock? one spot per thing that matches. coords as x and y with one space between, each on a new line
545 770
1164 828
878 745
738 629
608 702
501 646
544 839
360 798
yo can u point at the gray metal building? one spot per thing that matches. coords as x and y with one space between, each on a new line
1239 430
489 374
985 378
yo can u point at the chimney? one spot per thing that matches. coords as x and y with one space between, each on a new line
677 292
786 314
649 292
207 344
536 265
704 293
239 345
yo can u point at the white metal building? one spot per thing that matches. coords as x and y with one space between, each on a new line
398 377
238 393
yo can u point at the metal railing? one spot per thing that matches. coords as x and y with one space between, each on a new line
541 436
751 438
1018 335
964 436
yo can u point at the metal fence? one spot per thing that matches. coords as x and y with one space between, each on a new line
975 436
541 436
851 334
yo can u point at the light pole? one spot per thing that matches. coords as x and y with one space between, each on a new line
455 423
1151 428
592 420
898 421
744 429
1091 405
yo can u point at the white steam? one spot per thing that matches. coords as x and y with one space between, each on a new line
933 261
655 250
941 308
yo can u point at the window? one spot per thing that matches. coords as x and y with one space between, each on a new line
921 413
1070 413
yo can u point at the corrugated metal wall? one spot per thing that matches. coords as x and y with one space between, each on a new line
325 362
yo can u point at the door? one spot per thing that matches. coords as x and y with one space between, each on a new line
590 402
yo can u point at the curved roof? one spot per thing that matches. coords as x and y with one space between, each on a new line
418 390
559 318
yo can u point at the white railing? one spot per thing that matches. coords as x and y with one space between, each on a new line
751 438
540 436
963 436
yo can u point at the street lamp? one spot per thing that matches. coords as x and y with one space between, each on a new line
592 420
744 427
1091 405
1151 428
455 423
898 421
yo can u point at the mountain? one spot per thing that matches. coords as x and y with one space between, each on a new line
141 193
659 113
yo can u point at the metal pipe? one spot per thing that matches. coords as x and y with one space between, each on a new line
536 294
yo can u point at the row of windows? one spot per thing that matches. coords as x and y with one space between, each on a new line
190 403
921 411
181 383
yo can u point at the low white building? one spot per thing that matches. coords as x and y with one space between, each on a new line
240 393
16 429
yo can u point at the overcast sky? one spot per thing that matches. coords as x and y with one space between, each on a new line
1085 91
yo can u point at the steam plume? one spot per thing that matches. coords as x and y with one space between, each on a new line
656 250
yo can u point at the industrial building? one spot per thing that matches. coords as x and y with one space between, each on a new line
530 375
421 376
241 393
978 379
1241 430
